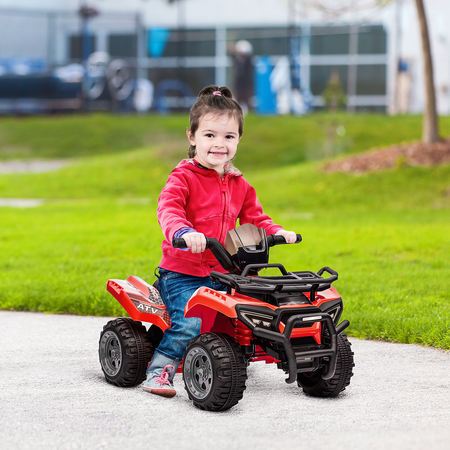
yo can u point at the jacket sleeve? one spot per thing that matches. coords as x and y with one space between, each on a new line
172 203
252 212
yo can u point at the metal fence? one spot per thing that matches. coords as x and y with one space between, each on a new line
36 46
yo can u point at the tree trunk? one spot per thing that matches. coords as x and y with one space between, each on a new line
430 119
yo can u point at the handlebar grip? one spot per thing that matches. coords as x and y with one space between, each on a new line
179 243
276 239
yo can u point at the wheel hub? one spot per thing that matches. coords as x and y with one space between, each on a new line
110 353
198 373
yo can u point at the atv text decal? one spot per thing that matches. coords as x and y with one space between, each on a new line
148 309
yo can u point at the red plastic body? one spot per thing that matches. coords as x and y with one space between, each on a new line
217 310
140 300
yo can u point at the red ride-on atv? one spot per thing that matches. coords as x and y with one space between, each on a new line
290 319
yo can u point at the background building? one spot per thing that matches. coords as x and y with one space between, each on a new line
183 45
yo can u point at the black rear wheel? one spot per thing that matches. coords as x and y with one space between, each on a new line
124 352
214 372
312 382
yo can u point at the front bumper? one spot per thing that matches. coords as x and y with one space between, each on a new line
293 357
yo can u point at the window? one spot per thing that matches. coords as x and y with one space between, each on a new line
330 40
371 80
371 40
75 46
191 43
272 41
122 45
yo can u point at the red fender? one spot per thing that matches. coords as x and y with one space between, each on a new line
140 300
206 303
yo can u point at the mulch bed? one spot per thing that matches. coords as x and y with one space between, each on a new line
411 154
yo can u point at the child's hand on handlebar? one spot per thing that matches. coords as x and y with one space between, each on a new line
196 242
289 236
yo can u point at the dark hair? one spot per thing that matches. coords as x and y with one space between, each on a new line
209 101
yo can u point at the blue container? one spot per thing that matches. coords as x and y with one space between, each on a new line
266 99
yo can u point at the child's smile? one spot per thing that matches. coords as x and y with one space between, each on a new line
215 140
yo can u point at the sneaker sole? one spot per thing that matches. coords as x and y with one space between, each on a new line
162 392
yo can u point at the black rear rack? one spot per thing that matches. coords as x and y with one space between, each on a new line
289 282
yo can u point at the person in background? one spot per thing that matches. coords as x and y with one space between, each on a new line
243 74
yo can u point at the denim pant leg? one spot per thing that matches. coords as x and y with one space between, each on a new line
176 289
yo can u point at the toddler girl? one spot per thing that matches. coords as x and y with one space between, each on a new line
205 195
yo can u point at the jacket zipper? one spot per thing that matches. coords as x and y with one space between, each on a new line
224 183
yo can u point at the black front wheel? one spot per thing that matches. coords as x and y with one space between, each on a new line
214 372
312 382
124 351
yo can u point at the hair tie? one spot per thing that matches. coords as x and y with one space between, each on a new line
217 93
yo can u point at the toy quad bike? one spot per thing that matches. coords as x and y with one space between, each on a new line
290 320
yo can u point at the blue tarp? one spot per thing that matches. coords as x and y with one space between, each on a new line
266 100
156 41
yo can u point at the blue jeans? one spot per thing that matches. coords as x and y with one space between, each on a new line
176 289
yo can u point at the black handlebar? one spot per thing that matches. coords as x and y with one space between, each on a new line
181 243
222 255
276 239
216 247
211 242
292 281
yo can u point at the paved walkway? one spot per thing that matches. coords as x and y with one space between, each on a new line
32 166
53 396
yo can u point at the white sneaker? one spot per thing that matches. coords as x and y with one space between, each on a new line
158 382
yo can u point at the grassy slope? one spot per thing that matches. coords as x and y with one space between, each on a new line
283 139
386 234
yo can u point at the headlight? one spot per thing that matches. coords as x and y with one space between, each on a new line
257 319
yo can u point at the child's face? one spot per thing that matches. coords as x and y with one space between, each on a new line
215 140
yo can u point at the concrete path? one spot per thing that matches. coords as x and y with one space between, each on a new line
31 166
53 396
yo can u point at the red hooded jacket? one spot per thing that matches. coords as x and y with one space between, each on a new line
199 198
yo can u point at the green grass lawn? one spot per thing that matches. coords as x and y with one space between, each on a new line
387 234
281 140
